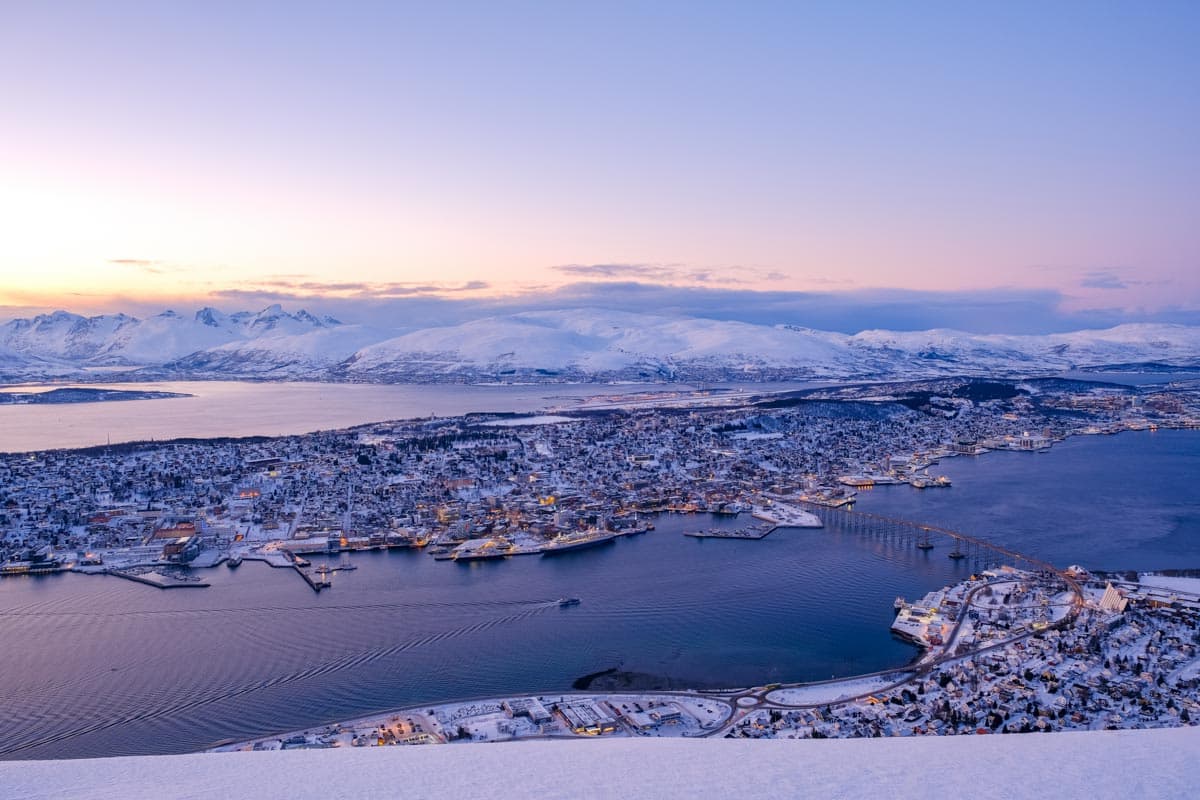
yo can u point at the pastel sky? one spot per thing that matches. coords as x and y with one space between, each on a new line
174 152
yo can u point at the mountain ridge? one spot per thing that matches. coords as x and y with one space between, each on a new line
569 344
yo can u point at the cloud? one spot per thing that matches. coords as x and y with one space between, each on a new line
1102 279
401 307
285 287
727 275
617 270
999 310
149 265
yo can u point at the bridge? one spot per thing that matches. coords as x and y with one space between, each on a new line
977 553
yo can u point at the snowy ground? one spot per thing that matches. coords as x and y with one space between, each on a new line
1154 763
787 516
829 692
1184 585
516 422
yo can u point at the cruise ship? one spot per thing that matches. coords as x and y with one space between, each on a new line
577 541
483 549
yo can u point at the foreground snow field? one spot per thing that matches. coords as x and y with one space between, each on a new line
1102 764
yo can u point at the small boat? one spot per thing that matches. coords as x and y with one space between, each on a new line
956 554
569 601
234 562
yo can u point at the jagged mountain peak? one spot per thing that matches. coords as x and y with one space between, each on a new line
210 316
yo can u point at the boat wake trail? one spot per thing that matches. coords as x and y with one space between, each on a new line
180 706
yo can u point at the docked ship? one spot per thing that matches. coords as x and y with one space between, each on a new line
441 552
577 541
36 562
927 481
483 549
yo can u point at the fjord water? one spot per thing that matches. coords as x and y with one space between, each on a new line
95 666
1129 501
99 666
238 408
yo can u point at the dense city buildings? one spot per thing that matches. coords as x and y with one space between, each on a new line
503 485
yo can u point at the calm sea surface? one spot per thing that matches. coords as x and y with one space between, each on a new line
235 408
1130 501
95 666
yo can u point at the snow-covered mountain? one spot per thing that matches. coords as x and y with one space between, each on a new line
580 343
278 355
570 344
122 340
591 342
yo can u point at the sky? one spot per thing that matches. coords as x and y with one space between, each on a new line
1011 166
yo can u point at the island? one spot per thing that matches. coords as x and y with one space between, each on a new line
83 394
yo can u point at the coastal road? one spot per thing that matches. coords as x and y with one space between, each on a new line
756 699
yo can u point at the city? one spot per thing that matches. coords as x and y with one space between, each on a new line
599 400
499 486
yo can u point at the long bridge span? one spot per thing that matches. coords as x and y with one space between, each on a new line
978 553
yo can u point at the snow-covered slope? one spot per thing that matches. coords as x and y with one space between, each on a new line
569 344
277 354
589 341
63 335
1161 763
1124 344
119 339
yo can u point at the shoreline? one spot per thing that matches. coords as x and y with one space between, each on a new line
742 711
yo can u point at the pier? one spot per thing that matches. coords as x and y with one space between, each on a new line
285 559
736 533
316 581
158 580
